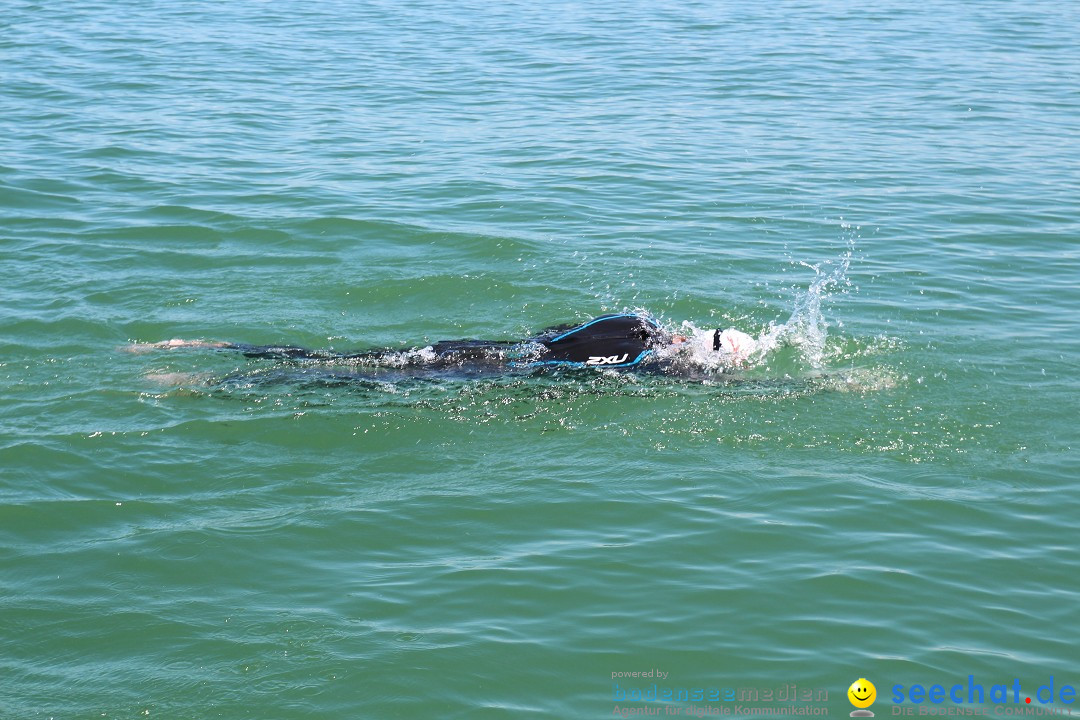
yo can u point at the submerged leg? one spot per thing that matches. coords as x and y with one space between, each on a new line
283 352
482 354
173 344
272 352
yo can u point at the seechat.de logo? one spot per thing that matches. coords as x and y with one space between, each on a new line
862 695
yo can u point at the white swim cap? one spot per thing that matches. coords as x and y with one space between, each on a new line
735 343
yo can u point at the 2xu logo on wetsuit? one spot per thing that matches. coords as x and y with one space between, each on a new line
606 360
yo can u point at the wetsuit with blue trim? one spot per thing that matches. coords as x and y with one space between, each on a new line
620 340
613 341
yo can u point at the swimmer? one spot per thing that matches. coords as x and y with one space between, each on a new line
619 341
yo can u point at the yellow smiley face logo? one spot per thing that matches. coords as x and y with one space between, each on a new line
862 693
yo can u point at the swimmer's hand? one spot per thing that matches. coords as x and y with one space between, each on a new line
173 344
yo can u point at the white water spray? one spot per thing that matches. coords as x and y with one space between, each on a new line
806 329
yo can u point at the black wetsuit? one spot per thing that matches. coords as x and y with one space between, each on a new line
623 340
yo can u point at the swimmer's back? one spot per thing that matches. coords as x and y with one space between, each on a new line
615 340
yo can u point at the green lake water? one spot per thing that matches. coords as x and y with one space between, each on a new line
888 194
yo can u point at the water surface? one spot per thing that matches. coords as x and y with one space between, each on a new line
890 192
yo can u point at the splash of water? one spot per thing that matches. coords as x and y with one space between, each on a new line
806 329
